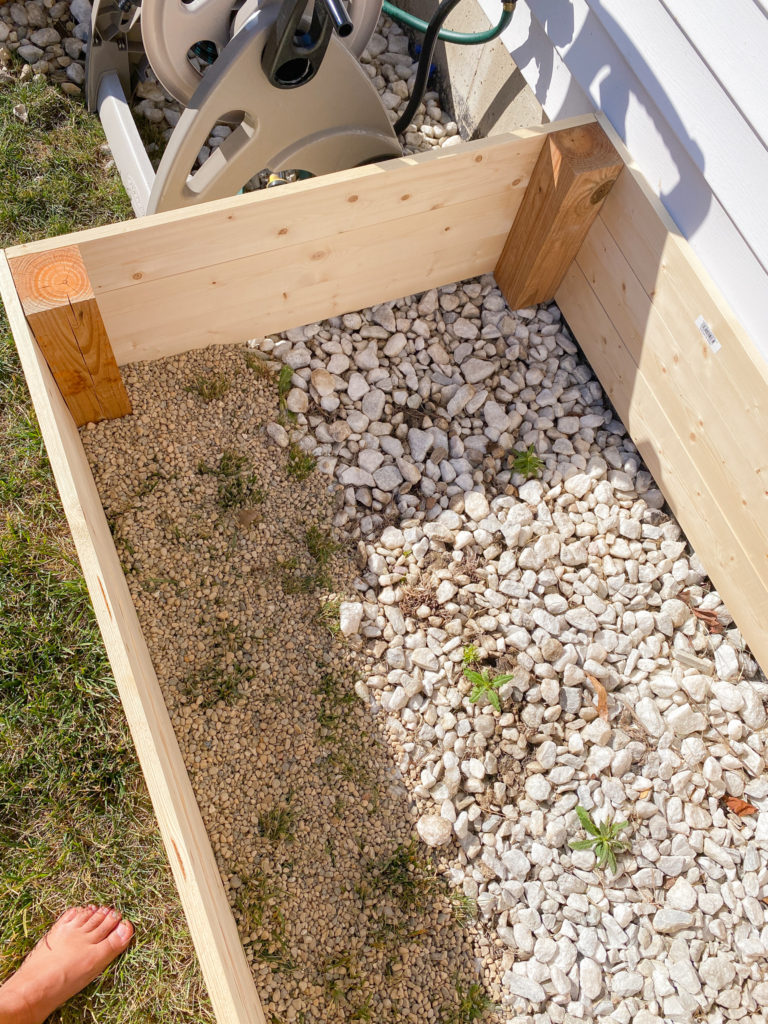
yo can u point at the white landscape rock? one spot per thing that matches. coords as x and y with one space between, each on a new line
649 716
350 617
476 506
668 921
434 830
524 987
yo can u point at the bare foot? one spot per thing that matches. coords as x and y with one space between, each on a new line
74 952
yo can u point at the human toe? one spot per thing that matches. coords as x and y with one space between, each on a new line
106 926
120 937
96 918
71 913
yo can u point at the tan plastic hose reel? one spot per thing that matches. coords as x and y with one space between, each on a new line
285 78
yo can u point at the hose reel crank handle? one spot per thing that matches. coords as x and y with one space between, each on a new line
293 55
339 17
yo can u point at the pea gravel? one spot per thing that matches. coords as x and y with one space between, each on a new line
300 795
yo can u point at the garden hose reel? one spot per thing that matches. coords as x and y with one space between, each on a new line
282 74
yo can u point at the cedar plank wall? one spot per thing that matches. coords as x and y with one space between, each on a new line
684 83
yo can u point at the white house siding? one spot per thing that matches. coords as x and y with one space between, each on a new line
685 84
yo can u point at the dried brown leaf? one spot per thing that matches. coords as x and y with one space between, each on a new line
740 807
710 620
602 696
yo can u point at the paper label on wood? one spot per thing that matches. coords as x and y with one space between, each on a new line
708 334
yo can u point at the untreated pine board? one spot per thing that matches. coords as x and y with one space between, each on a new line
61 309
346 270
168 244
671 272
686 377
211 924
735 377
675 278
687 491
573 174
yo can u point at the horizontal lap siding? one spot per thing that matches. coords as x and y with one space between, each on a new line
684 84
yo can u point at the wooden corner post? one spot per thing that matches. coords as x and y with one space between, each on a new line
61 309
574 173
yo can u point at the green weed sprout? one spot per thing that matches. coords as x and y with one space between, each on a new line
300 464
284 385
526 462
484 685
469 654
473 1004
604 841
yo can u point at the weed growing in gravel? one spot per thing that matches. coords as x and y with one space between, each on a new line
258 365
321 545
218 679
469 655
334 698
604 842
473 1004
297 579
237 485
253 900
364 1010
463 907
328 616
300 464
209 388
293 580
255 905
277 823
485 686
214 684
407 877
284 380
343 986
526 462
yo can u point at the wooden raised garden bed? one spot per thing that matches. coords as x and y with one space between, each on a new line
555 211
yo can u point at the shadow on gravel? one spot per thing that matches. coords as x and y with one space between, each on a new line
226 542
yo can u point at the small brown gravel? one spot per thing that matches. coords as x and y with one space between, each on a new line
233 568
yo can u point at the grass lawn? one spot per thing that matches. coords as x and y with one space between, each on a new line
76 824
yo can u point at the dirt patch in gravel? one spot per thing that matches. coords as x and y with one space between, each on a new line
234 570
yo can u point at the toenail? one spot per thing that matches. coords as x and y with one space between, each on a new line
116 914
124 930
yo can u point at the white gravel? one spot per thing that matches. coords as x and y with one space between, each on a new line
578 580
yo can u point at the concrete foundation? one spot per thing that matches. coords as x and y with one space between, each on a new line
482 85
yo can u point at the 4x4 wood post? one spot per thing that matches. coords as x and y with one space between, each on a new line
60 307
574 173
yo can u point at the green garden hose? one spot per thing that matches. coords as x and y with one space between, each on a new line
447 36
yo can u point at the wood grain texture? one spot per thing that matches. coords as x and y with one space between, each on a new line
211 924
57 298
687 375
697 506
573 174
666 101
327 276
698 416
242 267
